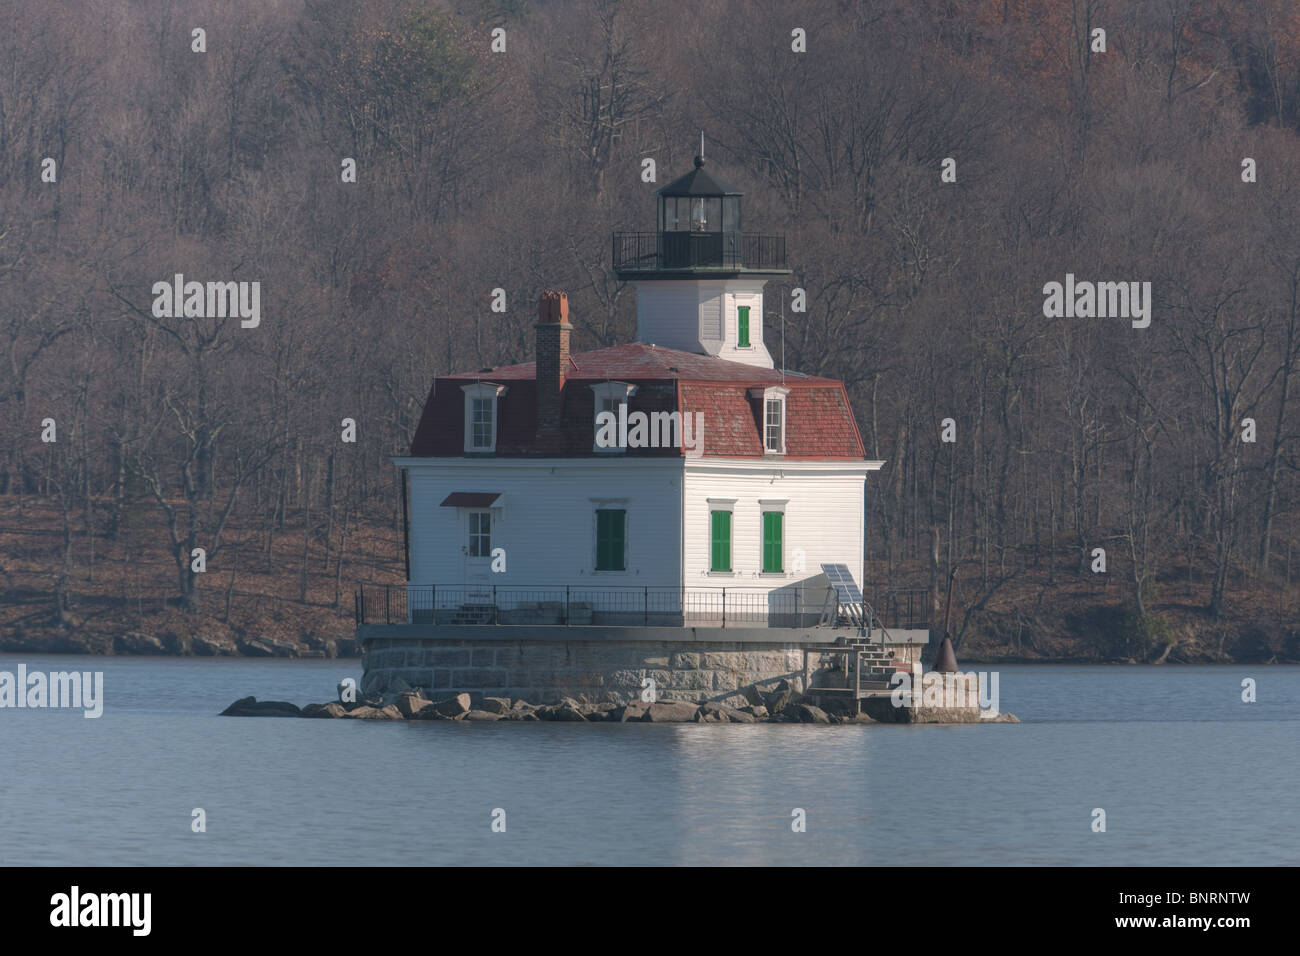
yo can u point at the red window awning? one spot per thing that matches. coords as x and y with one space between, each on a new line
470 499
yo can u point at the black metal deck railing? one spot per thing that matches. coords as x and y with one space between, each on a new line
666 251
907 609
614 606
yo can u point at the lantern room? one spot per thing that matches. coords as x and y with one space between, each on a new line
699 231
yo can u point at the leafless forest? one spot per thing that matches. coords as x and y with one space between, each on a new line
478 169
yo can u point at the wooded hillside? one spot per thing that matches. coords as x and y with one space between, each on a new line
478 170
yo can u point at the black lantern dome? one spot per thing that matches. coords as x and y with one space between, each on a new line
699 234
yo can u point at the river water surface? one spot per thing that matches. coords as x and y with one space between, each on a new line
1186 773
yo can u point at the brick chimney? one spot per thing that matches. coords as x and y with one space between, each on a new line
553 330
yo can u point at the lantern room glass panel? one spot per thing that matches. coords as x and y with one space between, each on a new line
731 214
706 214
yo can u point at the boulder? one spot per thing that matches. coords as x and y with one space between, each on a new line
316 646
671 711
481 715
218 645
267 647
724 713
375 713
714 712
332 709
496 705
252 707
134 642
634 710
410 703
566 710
758 711
808 714
175 643
600 711
781 700
453 707
753 695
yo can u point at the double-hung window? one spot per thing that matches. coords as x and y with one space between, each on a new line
480 534
482 422
773 417
610 397
774 425
481 400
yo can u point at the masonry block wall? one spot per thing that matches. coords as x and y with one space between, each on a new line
543 671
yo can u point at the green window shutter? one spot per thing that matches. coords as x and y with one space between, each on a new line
721 534
742 326
772 549
611 539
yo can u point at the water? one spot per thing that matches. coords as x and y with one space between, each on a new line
1186 773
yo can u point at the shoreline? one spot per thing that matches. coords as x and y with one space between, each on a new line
347 649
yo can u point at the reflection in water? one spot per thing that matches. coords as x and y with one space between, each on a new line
1172 755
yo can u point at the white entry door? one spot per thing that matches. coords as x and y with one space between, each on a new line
478 557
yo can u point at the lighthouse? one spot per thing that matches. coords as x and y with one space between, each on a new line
711 543
699 277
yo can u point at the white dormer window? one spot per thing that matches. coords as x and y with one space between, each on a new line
481 417
773 420
610 397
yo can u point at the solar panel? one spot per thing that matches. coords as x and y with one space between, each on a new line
846 589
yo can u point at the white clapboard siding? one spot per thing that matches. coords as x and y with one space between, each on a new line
699 315
746 292
823 517
668 314
545 519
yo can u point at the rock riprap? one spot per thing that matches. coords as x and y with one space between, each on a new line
784 706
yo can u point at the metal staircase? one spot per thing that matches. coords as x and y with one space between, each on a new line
874 662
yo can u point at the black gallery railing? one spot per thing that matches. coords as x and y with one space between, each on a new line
659 251
615 606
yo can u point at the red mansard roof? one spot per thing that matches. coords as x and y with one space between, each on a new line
819 422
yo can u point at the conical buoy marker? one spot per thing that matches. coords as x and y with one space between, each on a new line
946 661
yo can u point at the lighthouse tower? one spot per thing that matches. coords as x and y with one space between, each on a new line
699 278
